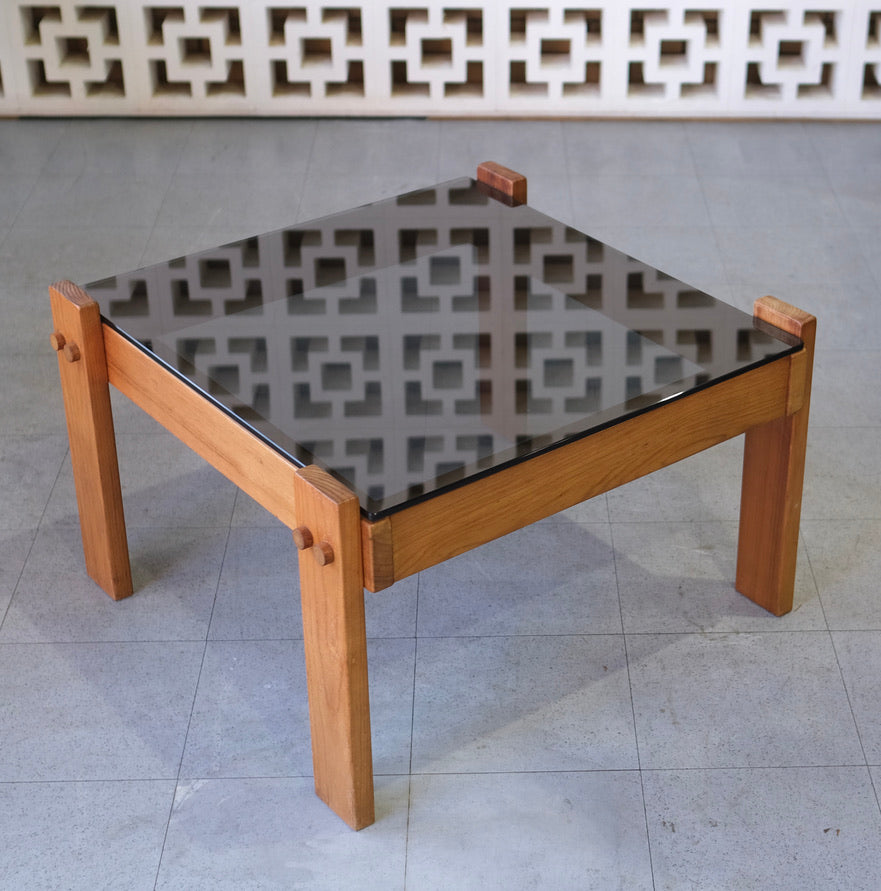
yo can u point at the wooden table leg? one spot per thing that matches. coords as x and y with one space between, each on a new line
773 474
335 639
79 341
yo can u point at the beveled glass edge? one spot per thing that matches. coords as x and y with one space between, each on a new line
606 419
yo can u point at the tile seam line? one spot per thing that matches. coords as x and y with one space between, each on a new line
498 636
642 792
307 169
412 723
196 685
665 633
805 518
631 770
529 772
851 225
875 786
18 579
820 350
36 530
755 633
91 642
872 631
166 190
85 780
719 242
853 716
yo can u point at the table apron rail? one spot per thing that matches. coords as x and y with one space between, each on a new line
226 445
464 518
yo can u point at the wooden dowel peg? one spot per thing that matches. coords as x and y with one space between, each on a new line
302 538
323 552
71 352
57 339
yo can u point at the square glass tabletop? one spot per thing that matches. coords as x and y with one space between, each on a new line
418 343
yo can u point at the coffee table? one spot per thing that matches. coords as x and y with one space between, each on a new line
403 382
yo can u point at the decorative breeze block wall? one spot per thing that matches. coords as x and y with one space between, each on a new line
301 57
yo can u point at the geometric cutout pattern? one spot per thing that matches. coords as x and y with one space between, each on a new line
551 58
72 52
792 56
436 53
316 53
869 55
554 53
682 55
195 52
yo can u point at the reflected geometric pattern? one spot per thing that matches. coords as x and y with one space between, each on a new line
411 343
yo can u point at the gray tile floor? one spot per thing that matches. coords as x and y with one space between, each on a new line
585 704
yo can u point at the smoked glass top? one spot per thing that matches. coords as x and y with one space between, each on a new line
415 344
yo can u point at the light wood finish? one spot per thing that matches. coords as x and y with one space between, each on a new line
377 552
433 531
502 179
222 441
773 474
335 640
83 370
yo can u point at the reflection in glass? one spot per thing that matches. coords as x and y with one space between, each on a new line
416 342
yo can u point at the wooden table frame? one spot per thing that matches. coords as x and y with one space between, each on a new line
343 552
